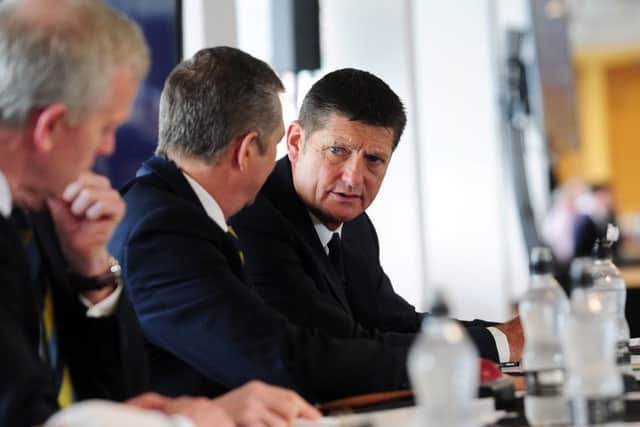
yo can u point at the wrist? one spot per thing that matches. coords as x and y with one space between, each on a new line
105 282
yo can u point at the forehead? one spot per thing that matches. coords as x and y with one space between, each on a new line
339 129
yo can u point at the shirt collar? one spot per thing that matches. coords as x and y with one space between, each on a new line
211 207
5 197
324 234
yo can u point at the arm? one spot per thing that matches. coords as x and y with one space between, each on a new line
373 298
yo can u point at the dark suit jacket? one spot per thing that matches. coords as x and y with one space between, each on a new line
105 356
208 330
287 264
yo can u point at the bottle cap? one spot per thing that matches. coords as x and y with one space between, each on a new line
581 272
601 249
541 260
439 307
613 233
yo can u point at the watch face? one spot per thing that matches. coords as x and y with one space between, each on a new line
114 266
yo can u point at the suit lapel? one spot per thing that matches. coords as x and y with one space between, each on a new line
50 251
21 292
280 190
168 172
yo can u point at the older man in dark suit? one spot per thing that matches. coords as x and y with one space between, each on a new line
311 250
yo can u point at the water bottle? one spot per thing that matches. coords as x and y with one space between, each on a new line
593 384
608 282
444 371
543 311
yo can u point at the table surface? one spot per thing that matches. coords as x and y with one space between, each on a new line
486 415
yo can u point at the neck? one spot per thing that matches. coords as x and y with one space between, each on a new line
216 178
13 165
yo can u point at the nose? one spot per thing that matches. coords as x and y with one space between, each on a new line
352 172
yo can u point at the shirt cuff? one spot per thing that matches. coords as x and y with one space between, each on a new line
104 308
502 344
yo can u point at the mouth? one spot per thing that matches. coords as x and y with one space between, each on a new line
347 196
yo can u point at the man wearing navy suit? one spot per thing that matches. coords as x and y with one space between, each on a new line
208 330
311 250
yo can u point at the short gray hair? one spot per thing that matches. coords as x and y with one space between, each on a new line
67 55
212 98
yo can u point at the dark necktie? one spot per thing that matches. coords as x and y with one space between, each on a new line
48 345
335 254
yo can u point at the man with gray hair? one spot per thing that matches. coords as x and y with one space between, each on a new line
208 330
69 71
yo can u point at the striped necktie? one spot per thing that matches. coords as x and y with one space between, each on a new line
236 242
48 335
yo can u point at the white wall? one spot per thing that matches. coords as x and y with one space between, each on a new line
208 23
373 35
462 181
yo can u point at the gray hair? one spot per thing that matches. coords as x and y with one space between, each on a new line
212 98
66 53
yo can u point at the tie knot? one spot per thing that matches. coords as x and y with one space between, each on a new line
334 243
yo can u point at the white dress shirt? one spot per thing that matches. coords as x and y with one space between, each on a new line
324 234
5 197
211 207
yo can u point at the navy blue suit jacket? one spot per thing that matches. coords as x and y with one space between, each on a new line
208 330
105 356
287 264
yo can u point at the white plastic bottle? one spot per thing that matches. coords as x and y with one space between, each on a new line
593 385
444 371
543 311
610 285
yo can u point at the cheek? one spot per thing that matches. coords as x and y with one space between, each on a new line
372 186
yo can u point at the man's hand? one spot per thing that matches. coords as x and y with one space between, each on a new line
513 330
152 401
254 404
85 218
259 404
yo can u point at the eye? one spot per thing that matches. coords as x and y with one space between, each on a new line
375 160
334 149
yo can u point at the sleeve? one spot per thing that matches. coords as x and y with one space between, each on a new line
376 303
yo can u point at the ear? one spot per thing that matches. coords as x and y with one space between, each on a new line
246 147
48 125
295 140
